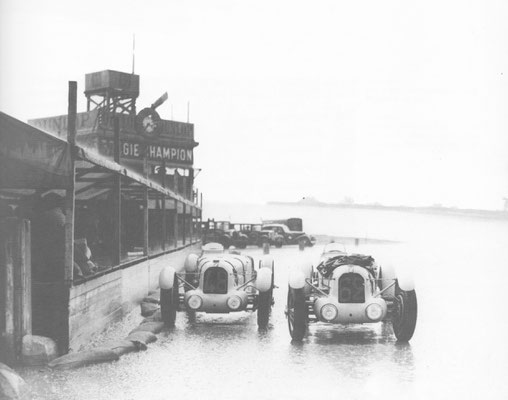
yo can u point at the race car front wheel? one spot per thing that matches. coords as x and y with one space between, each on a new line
169 303
265 301
404 314
297 313
264 308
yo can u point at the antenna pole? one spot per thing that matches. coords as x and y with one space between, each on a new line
133 51
188 111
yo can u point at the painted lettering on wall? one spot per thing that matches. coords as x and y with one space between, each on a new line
152 152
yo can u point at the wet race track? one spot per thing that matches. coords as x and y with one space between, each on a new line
459 349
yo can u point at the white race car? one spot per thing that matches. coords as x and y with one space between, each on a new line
349 289
218 281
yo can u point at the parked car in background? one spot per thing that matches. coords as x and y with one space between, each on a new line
289 236
251 231
218 281
224 233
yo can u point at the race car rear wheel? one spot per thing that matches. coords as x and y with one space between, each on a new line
169 303
404 314
297 313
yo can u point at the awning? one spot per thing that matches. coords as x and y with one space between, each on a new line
30 158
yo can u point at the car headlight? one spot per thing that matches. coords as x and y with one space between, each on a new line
194 302
374 312
234 302
329 312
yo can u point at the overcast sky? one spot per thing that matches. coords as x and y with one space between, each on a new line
396 102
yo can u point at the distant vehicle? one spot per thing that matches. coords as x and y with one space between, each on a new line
346 289
294 224
289 236
223 232
251 231
257 236
218 281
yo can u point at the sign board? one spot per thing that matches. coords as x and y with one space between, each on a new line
153 152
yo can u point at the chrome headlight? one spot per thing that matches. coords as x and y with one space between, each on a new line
194 302
234 302
374 312
329 312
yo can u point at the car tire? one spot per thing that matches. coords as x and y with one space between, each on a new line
278 244
169 301
265 302
191 278
404 314
264 308
297 314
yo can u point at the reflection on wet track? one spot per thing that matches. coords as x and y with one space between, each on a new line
226 357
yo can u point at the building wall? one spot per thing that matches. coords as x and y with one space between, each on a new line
95 304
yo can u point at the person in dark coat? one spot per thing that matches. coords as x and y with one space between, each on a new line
50 295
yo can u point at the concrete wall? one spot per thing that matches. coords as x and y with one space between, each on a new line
95 304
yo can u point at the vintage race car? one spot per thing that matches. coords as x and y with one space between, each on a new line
349 289
218 281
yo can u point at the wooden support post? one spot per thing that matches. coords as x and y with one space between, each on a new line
117 196
145 222
191 225
176 224
15 287
22 283
72 111
164 221
184 223
70 190
7 337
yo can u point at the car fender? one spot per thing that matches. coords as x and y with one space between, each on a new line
405 282
264 279
167 277
306 267
296 278
266 262
191 263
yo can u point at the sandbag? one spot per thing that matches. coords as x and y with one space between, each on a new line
155 317
152 298
143 337
121 347
148 309
154 327
76 360
12 386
